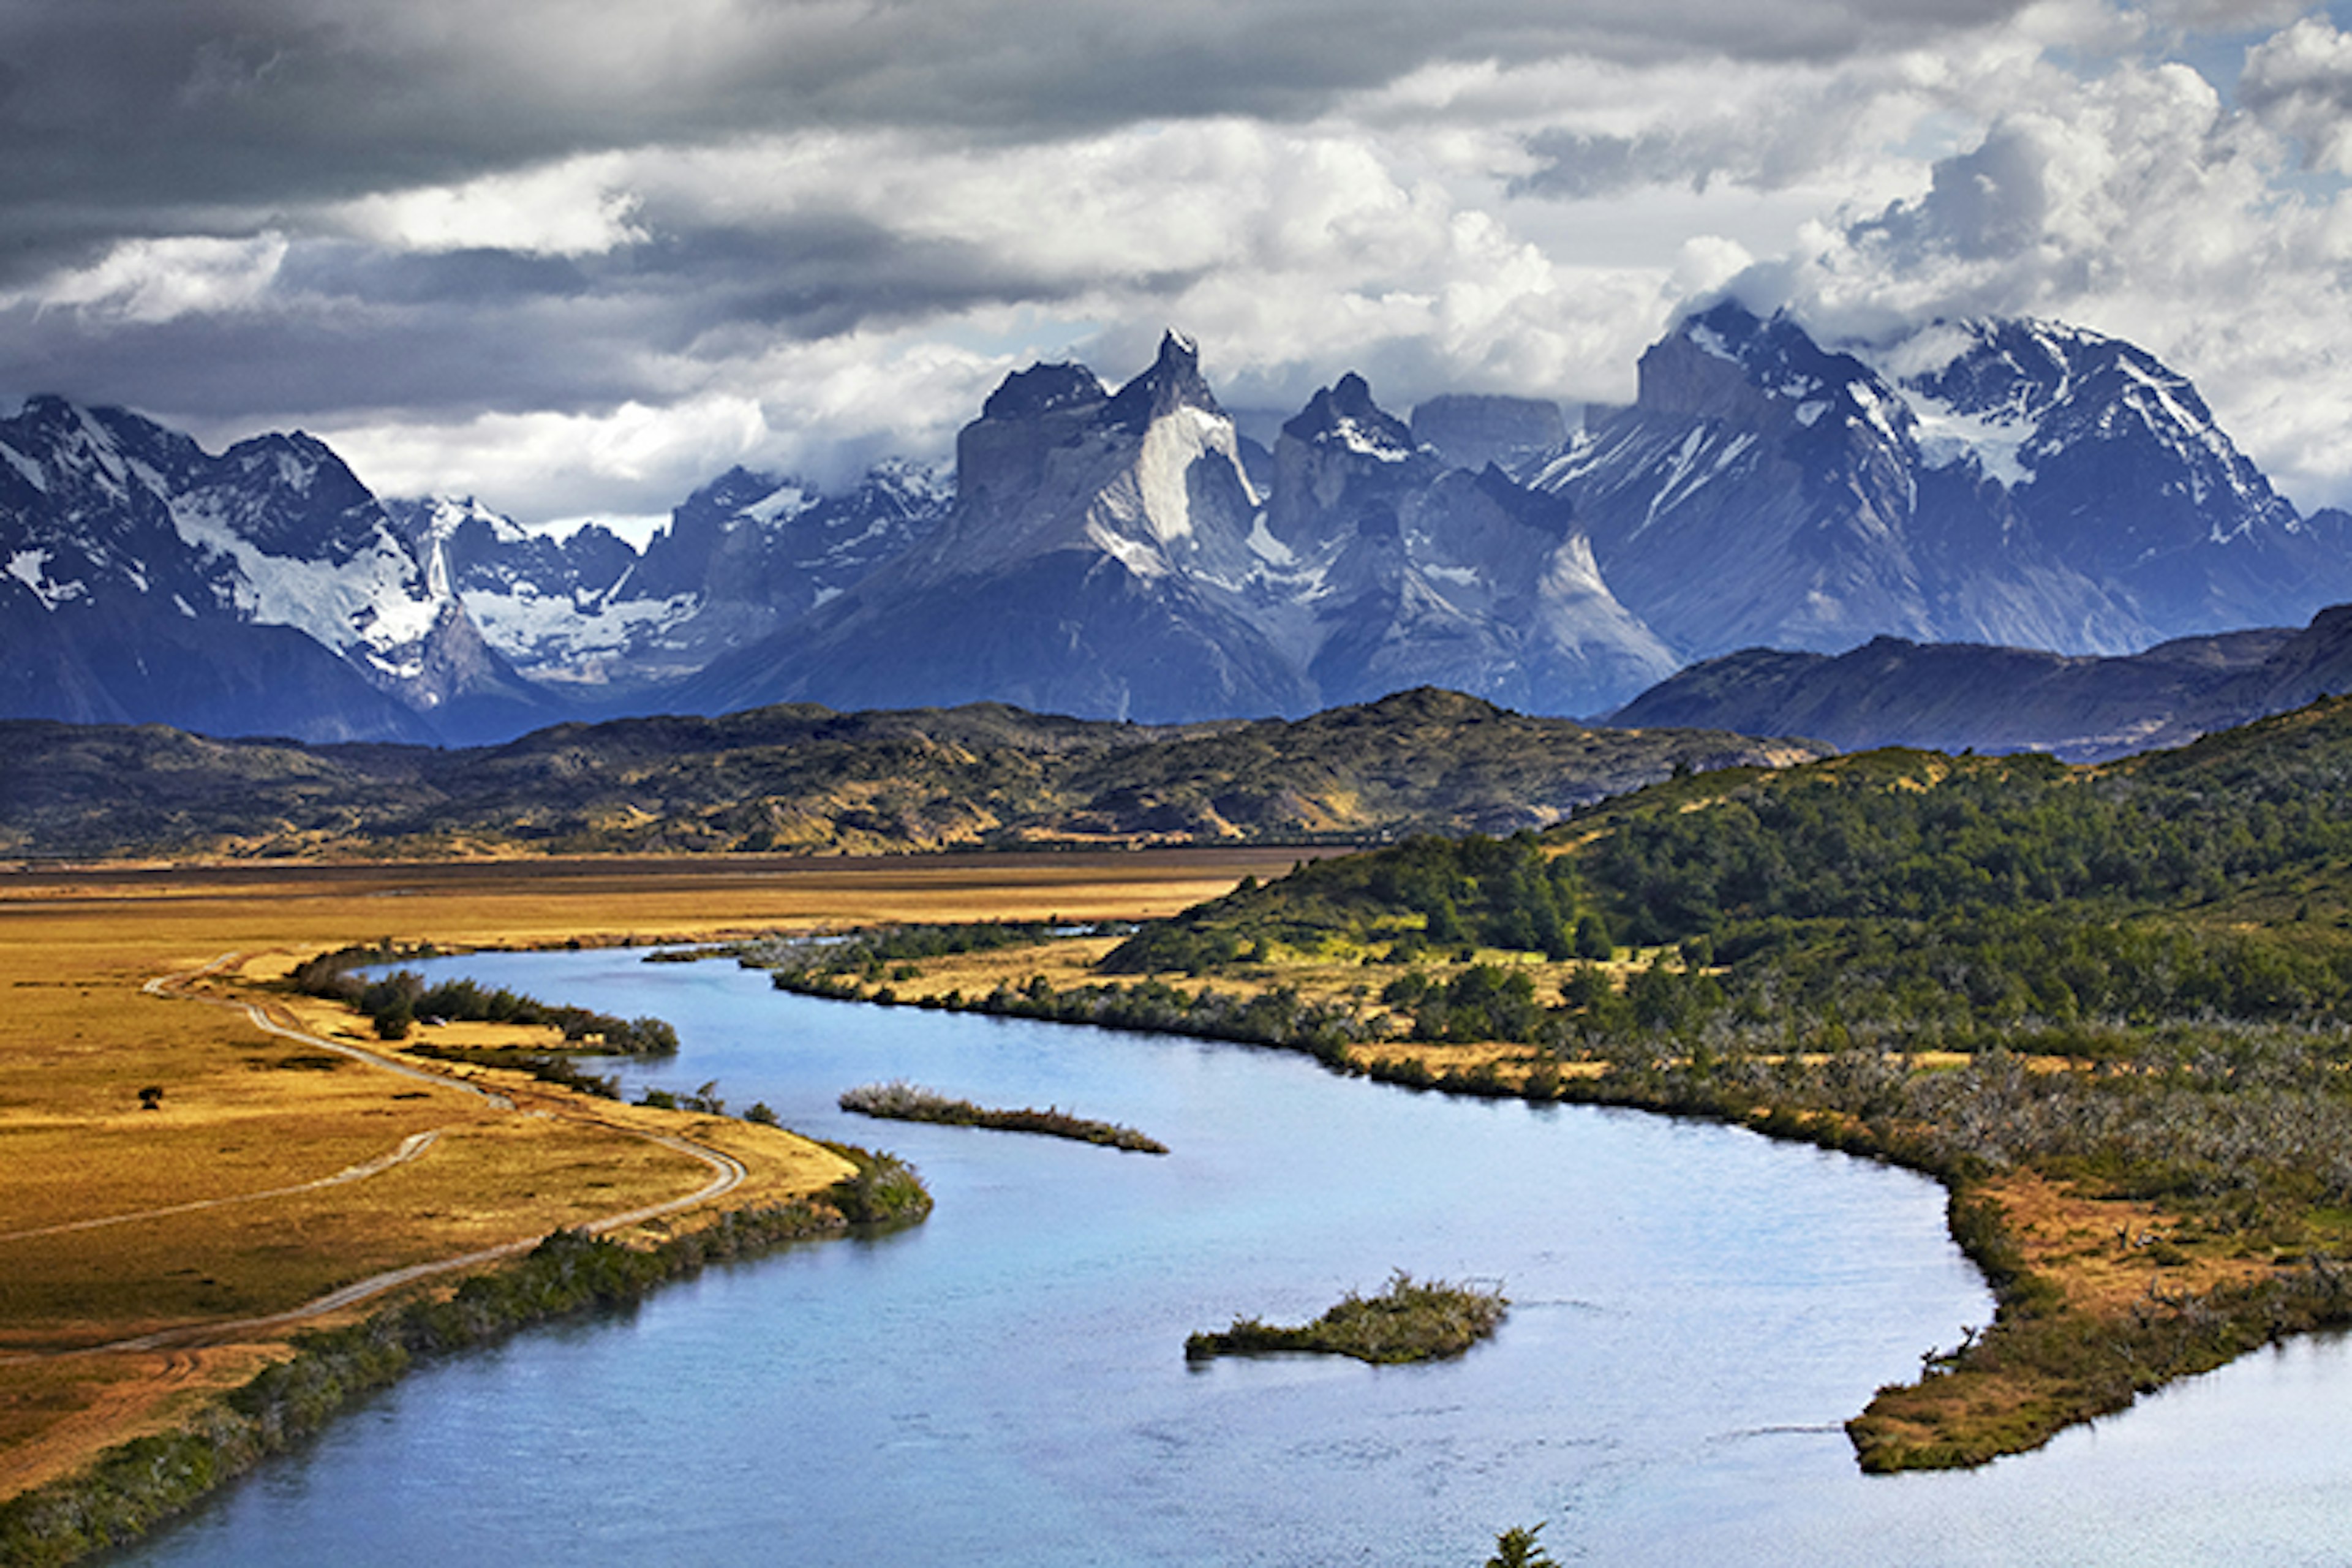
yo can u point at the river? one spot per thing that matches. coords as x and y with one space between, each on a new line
1696 1310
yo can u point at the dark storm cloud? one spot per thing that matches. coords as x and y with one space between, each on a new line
298 365
363 275
813 277
348 327
120 106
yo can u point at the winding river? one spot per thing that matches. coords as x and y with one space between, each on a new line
1695 1310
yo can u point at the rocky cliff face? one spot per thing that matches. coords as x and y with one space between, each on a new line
2115 469
1418 572
592 618
1099 561
1759 491
1470 430
1108 555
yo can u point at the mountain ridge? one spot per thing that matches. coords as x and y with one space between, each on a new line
1128 553
803 778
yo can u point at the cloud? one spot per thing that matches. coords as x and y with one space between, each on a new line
565 209
638 460
148 281
2140 204
2299 83
239 103
500 247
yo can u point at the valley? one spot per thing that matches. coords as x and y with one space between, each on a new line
2097 1005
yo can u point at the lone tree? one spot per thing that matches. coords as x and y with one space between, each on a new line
1517 1548
152 1098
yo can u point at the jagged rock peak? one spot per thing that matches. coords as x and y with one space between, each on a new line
1043 388
1344 413
1726 362
1174 382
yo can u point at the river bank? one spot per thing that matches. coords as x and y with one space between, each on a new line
1003 1386
2105 1295
229 1195
2046 1218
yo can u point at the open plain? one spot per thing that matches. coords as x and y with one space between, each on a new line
179 1180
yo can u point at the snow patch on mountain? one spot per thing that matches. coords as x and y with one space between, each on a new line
1995 440
27 469
1267 548
375 605
781 504
557 638
28 567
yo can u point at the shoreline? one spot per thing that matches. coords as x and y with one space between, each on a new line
263 1121
2057 1354
1978 1216
133 1485
137 1485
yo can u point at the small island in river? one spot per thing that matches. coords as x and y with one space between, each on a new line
1411 1319
912 1102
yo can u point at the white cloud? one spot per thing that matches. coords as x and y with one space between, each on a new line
2136 203
813 410
151 281
575 465
573 208
2300 83
802 234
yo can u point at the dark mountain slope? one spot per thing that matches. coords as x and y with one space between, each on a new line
803 778
1961 696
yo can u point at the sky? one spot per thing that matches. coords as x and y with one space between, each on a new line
576 258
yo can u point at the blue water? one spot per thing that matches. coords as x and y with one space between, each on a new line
1695 1310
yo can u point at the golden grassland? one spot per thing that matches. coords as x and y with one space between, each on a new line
217 1205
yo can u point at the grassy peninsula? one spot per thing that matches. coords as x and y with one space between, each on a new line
902 1101
1408 1320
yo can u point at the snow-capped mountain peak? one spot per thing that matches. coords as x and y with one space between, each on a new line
1344 414
1728 364
2041 406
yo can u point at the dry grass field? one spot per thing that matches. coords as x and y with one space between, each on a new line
269 1172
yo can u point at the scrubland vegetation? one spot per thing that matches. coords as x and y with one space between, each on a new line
1408 1320
903 1101
397 1002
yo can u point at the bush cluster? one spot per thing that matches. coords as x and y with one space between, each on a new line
396 1002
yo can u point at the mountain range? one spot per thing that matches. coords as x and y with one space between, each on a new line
1127 554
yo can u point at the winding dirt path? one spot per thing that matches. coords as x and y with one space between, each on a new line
727 1173
410 1147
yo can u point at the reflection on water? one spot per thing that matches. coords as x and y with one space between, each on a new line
1696 1312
